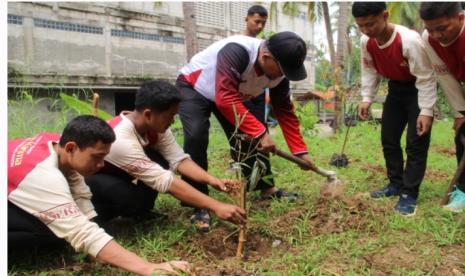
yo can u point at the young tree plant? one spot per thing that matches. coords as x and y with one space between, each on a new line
244 148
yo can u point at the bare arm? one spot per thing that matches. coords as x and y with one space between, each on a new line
115 254
187 194
190 169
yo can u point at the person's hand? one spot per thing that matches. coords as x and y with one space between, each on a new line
424 124
267 144
307 159
231 213
218 184
169 268
458 122
364 110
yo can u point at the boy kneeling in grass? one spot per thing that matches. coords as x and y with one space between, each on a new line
48 200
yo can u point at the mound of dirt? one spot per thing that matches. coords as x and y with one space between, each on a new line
229 267
336 216
333 189
218 251
219 244
445 151
374 171
215 245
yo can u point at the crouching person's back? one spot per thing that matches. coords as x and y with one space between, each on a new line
49 202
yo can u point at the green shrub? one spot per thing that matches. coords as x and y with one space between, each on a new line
307 115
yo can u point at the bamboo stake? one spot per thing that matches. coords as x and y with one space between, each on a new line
242 230
95 99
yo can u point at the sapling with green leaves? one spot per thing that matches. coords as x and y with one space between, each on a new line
242 154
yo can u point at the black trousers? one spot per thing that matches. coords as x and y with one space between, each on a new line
114 194
25 231
459 150
195 111
401 110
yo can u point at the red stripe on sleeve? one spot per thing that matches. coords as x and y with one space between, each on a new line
193 77
232 61
288 121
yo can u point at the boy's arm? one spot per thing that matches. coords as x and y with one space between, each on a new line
451 87
370 77
420 67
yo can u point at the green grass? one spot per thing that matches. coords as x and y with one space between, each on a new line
317 237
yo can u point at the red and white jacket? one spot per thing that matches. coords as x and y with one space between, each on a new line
127 153
36 185
226 73
402 58
448 62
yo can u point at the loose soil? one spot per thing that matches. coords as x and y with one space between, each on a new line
219 248
334 216
445 151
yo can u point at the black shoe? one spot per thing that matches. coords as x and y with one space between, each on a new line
201 219
387 191
407 205
281 194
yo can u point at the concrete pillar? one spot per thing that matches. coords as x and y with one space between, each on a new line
227 12
107 34
28 26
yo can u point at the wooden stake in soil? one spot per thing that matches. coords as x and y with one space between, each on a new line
95 99
242 231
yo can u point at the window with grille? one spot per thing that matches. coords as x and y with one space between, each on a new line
15 19
66 26
147 36
135 35
238 13
210 14
204 43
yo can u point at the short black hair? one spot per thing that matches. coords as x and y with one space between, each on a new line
157 95
433 10
86 131
362 9
257 9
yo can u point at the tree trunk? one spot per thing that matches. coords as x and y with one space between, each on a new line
274 16
340 58
329 33
190 29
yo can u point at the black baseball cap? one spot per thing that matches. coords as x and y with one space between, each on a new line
290 51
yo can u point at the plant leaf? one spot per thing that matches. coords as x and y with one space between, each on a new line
82 107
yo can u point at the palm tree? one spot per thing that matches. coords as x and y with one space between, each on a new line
342 24
329 33
405 13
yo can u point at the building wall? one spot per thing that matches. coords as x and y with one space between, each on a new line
119 44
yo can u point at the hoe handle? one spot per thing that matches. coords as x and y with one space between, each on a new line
306 164
456 177
295 159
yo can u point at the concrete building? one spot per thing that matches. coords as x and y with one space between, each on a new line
111 47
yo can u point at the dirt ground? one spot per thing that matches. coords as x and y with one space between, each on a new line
219 248
328 216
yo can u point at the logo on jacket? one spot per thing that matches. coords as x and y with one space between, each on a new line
67 210
440 69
